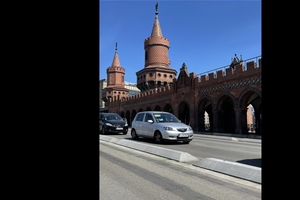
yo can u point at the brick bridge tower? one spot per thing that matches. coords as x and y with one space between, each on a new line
115 89
156 72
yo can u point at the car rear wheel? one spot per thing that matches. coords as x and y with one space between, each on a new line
134 136
158 138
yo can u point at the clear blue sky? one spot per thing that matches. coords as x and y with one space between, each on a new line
204 35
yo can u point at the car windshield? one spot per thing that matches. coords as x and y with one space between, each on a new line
113 117
165 117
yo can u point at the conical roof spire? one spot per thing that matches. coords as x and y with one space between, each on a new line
116 61
156 30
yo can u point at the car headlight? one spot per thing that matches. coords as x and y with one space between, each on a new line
169 128
190 129
108 124
126 125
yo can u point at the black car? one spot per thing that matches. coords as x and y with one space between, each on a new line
112 123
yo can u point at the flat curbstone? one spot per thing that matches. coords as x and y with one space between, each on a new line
171 154
108 138
232 168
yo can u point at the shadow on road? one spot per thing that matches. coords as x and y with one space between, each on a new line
151 141
253 162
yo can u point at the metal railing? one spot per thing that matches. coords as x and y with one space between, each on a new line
255 59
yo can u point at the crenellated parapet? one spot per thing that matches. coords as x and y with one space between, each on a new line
115 69
147 95
240 72
156 41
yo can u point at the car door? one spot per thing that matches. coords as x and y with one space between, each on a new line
147 126
138 124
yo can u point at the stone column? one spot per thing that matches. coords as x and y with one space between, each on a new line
240 121
215 127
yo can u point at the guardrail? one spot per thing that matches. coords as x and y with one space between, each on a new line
255 59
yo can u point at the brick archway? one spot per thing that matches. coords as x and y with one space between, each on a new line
205 104
157 108
250 96
168 108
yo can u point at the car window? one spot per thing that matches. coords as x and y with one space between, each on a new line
148 117
113 117
165 117
140 117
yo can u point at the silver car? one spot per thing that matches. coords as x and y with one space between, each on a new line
161 126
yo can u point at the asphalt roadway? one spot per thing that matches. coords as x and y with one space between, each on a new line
235 169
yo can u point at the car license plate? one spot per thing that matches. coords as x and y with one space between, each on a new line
119 128
183 135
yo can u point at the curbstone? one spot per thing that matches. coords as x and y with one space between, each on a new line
239 170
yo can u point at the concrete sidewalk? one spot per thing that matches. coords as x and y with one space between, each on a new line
242 171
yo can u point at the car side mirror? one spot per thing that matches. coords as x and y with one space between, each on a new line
150 121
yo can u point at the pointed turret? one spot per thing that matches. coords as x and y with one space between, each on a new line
156 72
116 61
115 80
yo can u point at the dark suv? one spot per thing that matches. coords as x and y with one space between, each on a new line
112 123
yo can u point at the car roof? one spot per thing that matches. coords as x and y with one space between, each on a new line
154 112
110 113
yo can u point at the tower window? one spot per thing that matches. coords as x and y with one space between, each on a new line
146 55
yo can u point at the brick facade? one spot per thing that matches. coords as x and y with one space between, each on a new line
225 97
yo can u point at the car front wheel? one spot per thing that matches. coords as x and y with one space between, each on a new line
158 138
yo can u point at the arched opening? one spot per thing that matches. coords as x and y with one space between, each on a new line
184 113
157 108
122 114
168 108
205 116
251 118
